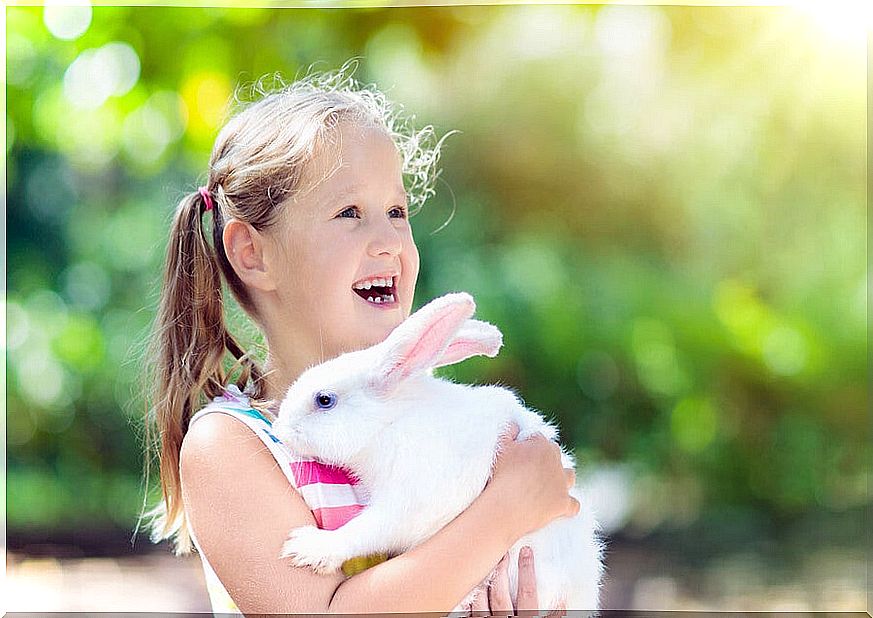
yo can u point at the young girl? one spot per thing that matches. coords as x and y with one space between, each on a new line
308 212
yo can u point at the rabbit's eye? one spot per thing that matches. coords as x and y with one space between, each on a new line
325 399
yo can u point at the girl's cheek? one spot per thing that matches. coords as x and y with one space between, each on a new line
414 261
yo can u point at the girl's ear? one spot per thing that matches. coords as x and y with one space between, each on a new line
245 250
474 338
418 343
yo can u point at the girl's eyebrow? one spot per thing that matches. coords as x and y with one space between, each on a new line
352 189
347 191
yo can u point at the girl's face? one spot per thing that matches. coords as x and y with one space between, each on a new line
348 261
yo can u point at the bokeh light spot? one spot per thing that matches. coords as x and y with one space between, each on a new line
397 58
80 345
48 312
21 59
145 135
97 74
624 32
86 285
533 270
67 22
744 315
693 423
785 351
206 96
655 356
17 325
40 377
132 236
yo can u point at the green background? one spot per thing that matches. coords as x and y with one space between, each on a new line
662 208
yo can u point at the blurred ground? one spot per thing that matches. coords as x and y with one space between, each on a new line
637 579
156 582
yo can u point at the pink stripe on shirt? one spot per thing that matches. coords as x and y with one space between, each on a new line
331 518
308 472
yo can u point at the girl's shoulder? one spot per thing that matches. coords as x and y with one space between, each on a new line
334 495
235 403
221 463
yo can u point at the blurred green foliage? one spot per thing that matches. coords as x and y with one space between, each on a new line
663 208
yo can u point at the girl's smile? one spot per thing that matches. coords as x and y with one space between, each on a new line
379 290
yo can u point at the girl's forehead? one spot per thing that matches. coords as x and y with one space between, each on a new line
351 161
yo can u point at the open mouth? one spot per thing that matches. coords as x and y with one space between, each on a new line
377 290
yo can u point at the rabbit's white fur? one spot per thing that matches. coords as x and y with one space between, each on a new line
423 449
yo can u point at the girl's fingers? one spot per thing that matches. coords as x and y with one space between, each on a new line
508 436
498 592
479 606
558 612
573 507
526 602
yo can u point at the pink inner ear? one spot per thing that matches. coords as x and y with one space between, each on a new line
424 352
461 349
425 348
464 348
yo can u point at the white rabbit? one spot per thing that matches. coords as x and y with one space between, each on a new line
423 448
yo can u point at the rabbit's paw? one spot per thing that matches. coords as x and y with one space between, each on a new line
312 547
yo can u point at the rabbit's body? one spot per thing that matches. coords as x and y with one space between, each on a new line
464 425
422 463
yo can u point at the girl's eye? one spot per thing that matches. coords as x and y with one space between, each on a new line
325 400
352 212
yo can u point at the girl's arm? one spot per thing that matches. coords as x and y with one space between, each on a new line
241 507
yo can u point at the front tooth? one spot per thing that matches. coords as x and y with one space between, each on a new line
391 298
378 300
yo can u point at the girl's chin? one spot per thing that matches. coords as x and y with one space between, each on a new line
373 334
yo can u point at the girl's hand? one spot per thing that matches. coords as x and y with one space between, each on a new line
496 599
529 479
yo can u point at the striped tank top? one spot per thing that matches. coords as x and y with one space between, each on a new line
332 494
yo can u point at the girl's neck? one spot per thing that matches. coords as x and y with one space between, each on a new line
278 379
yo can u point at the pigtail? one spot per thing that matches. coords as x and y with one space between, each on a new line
188 352
250 374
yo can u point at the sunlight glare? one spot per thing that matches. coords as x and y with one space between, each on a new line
842 20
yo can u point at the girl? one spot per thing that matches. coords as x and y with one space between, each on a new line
308 214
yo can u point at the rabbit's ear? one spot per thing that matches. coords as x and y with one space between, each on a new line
472 339
420 341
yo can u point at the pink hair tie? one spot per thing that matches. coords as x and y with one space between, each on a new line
207 199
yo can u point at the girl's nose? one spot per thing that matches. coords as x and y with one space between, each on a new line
386 239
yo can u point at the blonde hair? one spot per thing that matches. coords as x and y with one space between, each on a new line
256 164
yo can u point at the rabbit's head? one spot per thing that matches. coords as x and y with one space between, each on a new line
337 409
